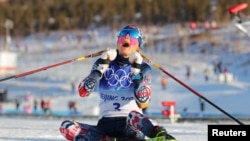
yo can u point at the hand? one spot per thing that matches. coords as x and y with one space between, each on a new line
87 86
136 60
110 54
105 59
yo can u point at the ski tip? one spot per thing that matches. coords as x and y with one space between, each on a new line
233 10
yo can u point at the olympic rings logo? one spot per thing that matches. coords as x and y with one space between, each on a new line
118 78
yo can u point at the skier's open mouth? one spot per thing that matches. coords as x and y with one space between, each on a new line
125 44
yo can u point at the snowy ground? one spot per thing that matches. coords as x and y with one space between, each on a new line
46 129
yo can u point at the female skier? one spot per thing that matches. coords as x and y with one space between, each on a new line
123 81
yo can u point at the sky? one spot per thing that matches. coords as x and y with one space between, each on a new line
55 83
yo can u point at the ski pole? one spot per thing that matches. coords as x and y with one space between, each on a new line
189 88
54 65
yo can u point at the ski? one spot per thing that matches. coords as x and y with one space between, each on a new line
148 139
158 139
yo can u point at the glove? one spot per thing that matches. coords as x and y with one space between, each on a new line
135 59
105 59
87 86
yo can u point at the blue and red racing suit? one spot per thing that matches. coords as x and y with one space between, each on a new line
122 98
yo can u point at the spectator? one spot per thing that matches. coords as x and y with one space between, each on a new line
35 104
17 102
164 82
193 25
206 74
188 72
73 85
72 107
202 106
219 66
42 105
27 108
226 72
48 106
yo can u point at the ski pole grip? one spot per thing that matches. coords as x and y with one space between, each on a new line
145 58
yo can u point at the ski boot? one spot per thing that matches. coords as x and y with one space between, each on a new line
159 131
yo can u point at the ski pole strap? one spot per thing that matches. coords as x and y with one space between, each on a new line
136 65
104 61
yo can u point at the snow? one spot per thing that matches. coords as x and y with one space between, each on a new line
44 129
55 83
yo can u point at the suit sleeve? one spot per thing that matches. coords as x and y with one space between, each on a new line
88 84
142 90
